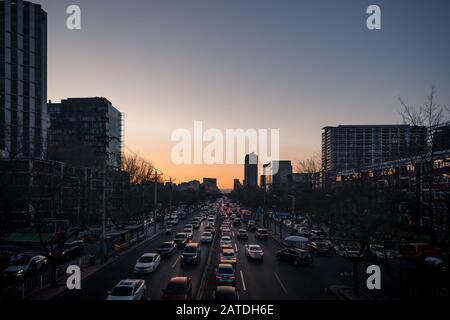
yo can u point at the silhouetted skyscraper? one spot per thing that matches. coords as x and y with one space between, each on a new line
251 170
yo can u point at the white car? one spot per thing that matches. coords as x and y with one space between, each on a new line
147 263
254 251
189 231
206 237
24 264
128 289
225 242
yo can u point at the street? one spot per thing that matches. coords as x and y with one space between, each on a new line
268 279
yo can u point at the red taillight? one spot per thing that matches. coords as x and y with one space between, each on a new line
218 277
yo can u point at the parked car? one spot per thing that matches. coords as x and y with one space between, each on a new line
191 253
228 256
147 263
296 256
181 239
242 234
254 251
178 288
225 293
262 234
206 237
128 289
23 265
225 275
167 248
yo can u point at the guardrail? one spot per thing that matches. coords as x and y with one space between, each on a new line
29 286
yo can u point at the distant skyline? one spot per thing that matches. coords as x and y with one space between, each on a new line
291 65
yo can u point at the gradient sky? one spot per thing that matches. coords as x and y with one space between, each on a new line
292 65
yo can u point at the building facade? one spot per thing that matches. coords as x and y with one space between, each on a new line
353 146
210 185
278 175
85 132
23 80
57 191
251 170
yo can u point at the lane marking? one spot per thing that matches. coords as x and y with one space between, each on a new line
243 281
175 263
281 283
235 247
232 232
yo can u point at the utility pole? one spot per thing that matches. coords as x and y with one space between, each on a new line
156 201
104 252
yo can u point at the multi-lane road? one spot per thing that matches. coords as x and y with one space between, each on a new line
267 279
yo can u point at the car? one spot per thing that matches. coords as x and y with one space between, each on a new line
206 237
318 234
228 256
226 232
167 248
191 253
237 222
181 239
242 234
196 223
210 229
225 242
23 265
211 221
254 251
178 288
299 257
225 275
251 225
262 234
189 232
72 249
147 263
225 293
173 221
303 231
320 246
128 289
169 230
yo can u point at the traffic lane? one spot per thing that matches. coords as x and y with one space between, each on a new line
195 270
97 286
171 267
304 282
257 279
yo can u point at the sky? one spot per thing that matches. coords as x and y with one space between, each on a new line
292 65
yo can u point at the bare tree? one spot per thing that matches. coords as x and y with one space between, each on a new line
141 171
309 165
422 154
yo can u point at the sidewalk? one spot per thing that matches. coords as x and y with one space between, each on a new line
86 272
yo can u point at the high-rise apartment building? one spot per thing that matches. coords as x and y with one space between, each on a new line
85 132
354 146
